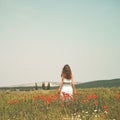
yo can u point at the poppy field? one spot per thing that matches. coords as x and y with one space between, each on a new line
86 104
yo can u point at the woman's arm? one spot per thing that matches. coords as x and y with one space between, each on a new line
61 84
73 86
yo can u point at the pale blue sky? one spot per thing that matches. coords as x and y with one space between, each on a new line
37 38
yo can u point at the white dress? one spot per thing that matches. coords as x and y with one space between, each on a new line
67 87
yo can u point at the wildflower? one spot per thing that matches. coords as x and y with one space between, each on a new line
34 97
62 104
51 95
116 96
95 103
69 103
63 93
96 116
84 100
105 106
92 96
16 101
48 100
11 102
74 98
66 96
57 96
42 97
106 110
95 110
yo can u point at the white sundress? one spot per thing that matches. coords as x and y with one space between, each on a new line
67 87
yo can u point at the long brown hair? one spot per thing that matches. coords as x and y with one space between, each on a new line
66 72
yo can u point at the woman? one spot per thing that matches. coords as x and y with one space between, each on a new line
67 84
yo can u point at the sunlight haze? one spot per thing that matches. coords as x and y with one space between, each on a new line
37 38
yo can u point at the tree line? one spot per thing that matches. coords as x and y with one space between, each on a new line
43 86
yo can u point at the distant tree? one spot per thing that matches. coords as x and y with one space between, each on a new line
36 87
43 85
48 86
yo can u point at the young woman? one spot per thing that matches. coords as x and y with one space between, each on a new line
67 84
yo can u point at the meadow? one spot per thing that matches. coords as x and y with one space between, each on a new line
86 104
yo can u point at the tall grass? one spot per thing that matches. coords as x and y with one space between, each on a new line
87 104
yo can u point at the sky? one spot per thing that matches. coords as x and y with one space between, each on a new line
38 37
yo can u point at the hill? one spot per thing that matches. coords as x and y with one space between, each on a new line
100 83
55 85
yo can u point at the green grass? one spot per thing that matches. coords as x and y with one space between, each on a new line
88 104
100 83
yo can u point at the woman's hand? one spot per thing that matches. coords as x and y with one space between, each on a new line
74 91
58 91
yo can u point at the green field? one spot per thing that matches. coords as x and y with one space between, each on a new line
100 83
87 104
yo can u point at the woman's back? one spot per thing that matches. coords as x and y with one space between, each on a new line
67 82
67 87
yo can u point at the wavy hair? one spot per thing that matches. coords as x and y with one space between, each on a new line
66 72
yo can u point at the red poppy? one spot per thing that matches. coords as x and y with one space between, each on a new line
105 106
92 96
95 103
48 100
84 100
11 102
116 96
16 101
62 105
